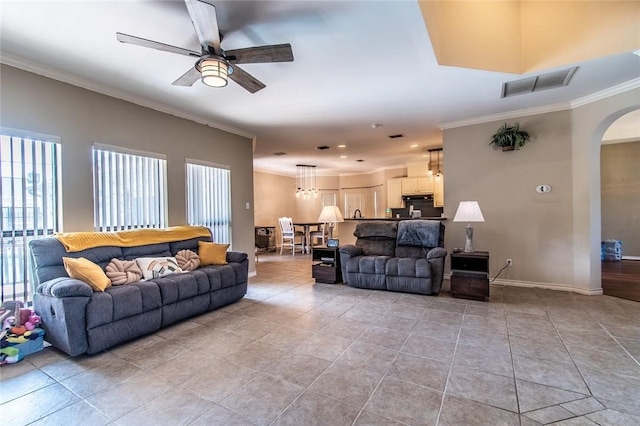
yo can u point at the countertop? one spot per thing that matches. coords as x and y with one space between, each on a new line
394 218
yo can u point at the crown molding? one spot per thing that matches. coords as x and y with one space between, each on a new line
55 74
594 97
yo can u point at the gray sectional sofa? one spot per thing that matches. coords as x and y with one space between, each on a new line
406 256
78 320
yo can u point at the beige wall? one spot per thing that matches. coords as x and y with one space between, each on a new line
81 117
620 188
532 229
553 239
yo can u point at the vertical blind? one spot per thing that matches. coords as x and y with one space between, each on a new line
29 188
129 189
209 198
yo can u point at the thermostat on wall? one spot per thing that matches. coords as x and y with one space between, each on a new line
543 189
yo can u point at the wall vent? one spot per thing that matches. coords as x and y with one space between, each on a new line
280 153
546 81
399 135
322 147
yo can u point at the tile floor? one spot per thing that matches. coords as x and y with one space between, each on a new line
297 353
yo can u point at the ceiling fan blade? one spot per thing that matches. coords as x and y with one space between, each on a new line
125 38
262 54
246 80
188 78
205 22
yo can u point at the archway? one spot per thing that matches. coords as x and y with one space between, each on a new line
620 204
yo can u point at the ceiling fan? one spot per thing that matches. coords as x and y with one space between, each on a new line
214 65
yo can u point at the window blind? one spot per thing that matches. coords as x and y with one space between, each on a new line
209 198
29 184
129 189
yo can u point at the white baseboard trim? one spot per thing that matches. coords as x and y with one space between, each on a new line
253 274
547 286
630 257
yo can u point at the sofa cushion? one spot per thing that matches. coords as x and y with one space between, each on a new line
156 267
381 229
177 287
122 301
368 264
377 246
408 267
419 233
85 270
188 260
123 272
150 250
212 253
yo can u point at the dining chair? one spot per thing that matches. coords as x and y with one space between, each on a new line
319 236
288 235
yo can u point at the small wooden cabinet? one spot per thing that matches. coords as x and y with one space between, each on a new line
470 275
417 186
394 193
325 265
438 192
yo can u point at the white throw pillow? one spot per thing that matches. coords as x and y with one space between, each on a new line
156 267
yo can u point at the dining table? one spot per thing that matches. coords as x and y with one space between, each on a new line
306 226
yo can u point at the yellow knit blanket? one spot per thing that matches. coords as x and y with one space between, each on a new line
78 241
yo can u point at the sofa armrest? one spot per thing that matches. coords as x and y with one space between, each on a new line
436 252
64 287
236 256
351 250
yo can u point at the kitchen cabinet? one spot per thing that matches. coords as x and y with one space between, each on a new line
417 186
438 192
394 193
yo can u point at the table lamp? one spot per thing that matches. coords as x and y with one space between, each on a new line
468 211
330 215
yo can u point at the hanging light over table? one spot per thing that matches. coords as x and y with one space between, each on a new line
306 181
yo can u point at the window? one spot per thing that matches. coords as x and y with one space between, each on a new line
29 184
209 198
129 189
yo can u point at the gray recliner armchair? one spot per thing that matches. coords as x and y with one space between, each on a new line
406 256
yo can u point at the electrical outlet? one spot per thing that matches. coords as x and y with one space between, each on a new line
509 262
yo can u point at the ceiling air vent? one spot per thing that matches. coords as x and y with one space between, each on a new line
550 80
322 147
280 153
399 135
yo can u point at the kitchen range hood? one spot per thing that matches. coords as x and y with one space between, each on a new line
417 197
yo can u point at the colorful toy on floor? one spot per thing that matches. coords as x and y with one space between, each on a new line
20 335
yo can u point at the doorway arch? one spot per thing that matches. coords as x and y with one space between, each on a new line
589 123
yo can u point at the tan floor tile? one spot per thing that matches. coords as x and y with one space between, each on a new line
37 404
312 409
421 371
220 416
533 396
405 402
262 399
460 411
487 388
562 376
216 383
77 414
299 368
366 356
353 386
367 418
175 407
389 339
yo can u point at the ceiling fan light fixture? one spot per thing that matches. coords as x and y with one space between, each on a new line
214 71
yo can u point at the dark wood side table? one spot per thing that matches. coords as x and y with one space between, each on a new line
470 275
325 265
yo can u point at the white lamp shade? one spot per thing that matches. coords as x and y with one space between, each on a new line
468 211
330 214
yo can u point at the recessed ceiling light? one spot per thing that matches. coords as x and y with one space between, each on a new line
414 145
343 156
376 125
342 146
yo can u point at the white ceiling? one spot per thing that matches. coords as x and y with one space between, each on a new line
356 63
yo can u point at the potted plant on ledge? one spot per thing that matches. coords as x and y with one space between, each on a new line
510 137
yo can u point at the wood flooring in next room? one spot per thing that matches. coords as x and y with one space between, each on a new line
622 279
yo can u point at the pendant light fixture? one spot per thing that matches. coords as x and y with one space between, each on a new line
306 181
